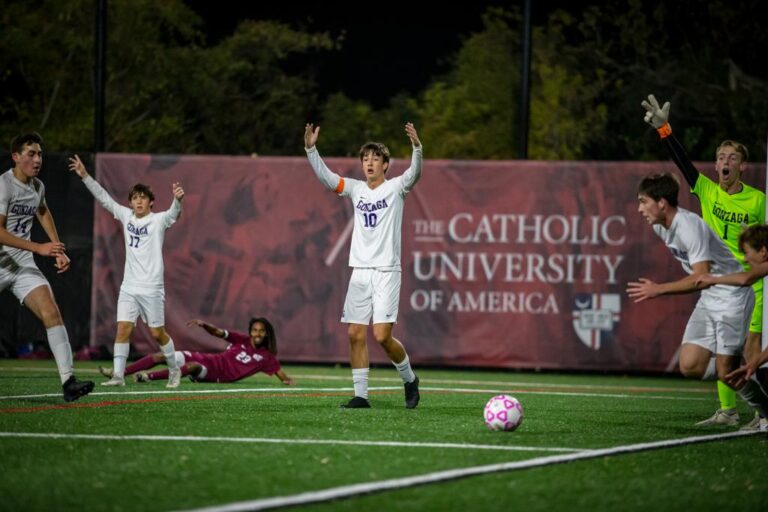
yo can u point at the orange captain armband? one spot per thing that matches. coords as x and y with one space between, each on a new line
664 131
340 187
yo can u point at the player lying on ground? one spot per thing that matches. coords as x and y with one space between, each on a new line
244 357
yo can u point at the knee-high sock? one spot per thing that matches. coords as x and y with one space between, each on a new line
406 372
58 340
727 395
360 382
120 357
170 354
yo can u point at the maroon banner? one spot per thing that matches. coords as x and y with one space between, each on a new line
505 264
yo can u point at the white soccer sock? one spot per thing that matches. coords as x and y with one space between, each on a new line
58 340
119 358
711 372
360 381
406 372
169 351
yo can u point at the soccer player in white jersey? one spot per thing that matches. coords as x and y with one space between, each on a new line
374 255
719 322
22 198
142 292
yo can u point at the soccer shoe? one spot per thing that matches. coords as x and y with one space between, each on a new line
141 377
107 372
74 389
729 417
114 381
357 402
412 394
174 378
756 424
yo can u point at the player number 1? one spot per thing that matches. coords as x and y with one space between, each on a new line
725 232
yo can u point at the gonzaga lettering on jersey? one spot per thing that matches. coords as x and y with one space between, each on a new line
143 240
19 203
377 233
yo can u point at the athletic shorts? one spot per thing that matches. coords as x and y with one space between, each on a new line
149 305
372 293
22 281
721 329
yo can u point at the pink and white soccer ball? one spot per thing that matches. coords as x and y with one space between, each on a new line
503 412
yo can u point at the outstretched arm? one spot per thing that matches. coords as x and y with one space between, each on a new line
747 278
644 289
102 196
331 180
412 175
174 212
658 117
212 329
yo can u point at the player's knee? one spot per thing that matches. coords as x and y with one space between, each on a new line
690 370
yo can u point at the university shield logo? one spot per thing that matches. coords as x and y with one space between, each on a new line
594 317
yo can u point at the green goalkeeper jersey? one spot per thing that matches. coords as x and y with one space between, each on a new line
729 214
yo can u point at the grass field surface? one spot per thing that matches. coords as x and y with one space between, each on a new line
587 442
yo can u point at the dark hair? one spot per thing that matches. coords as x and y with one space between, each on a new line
660 186
377 148
738 147
18 142
141 189
271 340
756 236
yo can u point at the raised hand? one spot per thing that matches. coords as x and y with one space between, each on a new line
311 133
76 165
654 115
410 130
178 192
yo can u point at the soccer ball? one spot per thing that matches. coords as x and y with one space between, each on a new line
503 412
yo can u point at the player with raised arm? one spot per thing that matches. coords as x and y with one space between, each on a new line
728 207
142 292
244 356
374 255
22 198
716 331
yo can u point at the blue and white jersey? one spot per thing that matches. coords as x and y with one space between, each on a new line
143 237
378 221
19 202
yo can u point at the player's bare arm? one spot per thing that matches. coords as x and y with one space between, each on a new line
76 165
285 379
311 133
644 289
210 328
410 130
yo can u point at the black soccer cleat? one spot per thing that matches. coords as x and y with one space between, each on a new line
357 402
74 389
412 394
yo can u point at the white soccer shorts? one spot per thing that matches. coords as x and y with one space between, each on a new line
22 281
723 329
372 293
149 305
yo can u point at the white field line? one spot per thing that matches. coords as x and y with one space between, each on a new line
117 394
348 491
269 440
463 382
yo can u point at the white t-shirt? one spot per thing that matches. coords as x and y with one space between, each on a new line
691 241
378 223
143 240
19 203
